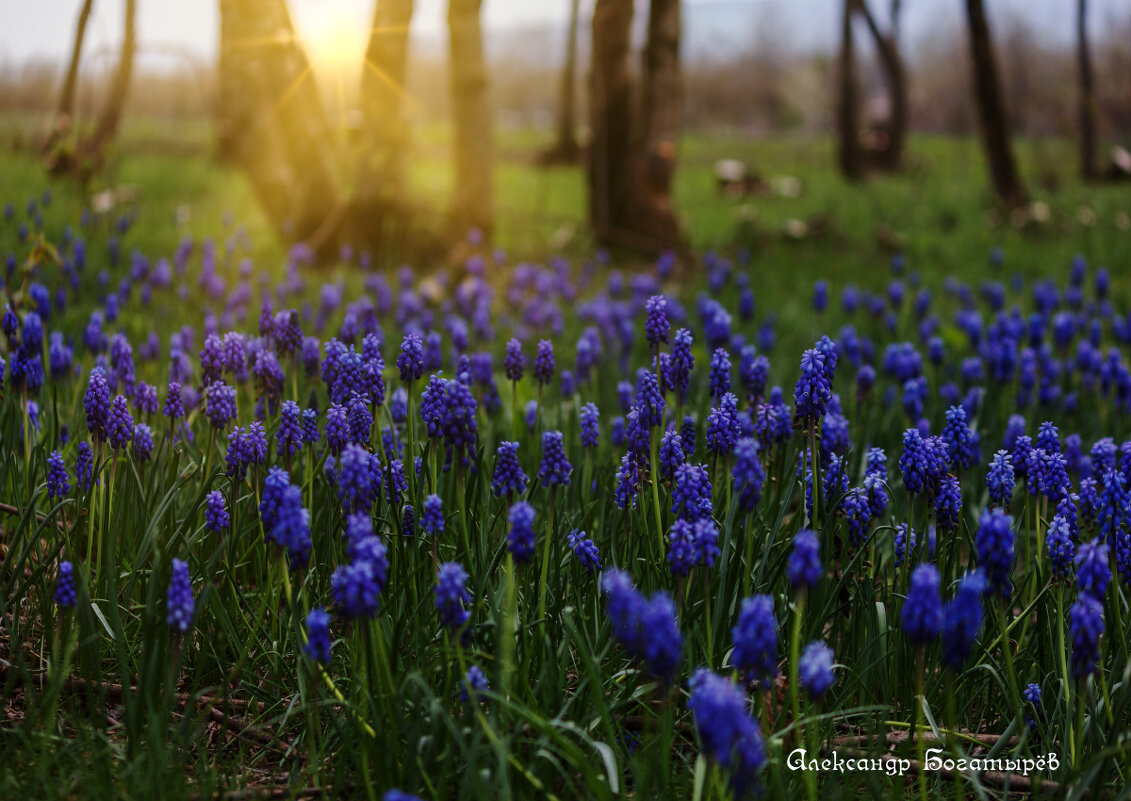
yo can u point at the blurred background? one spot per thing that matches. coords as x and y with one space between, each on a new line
396 127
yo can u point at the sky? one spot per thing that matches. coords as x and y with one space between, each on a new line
335 30
43 28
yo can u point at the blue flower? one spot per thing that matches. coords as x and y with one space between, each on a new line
719 374
1093 569
555 468
84 466
728 733
1060 546
755 637
682 362
656 324
509 477
318 635
58 482
432 520
748 473
813 391
452 594
216 516
65 590
922 615
355 589
585 550
473 685
948 504
1086 626
961 441
410 361
648 629
994 543
913 462
179 602
722 425
962 621
588 419
1000 479
815 668
804 566
544 362
513 362
691 493
520 538
119 423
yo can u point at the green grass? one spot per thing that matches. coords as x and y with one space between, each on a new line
569 712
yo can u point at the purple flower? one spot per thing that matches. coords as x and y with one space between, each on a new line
513 361
815 668
96 403
520 538
509 476
119 423
728 733
804 566
410 361
451 595
755 637
719 375
555 468
544 362
216 516
585 550
58 482
66 592
318 635
432 520
962 621
656 324
994 546
922 615
179 600
220 404
1086 626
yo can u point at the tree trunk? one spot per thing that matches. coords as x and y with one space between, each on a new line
379 191
629 198
1088 168
991 109
848 124
891 157
471 111
272 122
92 152
65 112
566 149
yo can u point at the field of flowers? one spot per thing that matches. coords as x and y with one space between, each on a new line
555 531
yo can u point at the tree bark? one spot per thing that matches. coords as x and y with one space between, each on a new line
565 149
379 191
92 152
65 112
991 109
471 111
1089 170
384 131
272 122
848 123
630 198
891 157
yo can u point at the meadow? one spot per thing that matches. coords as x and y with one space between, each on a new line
554 523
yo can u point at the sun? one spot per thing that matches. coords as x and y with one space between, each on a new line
336 43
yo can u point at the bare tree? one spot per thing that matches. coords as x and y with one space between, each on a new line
991 108
472 203
1089 170
272 122
65 112
565 149
109 120
379 191
890 155
630 199
848 102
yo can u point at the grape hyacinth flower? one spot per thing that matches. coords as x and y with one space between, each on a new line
804 566
220 404
96 403
432 520
948 504
514 364
922 615
84 466
682 362
216 517
656 324
647 628
318 635
755 638
356 589
509 477
544 362
555 468
815 668
691 493
410 361
119 423
993 543
179 600
1086 625
451 595
719 373
588 420
1061 547
1093 569
474 684
728 733
585 550
1000 479
66 592
58 482
520 538
813 391
962 621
